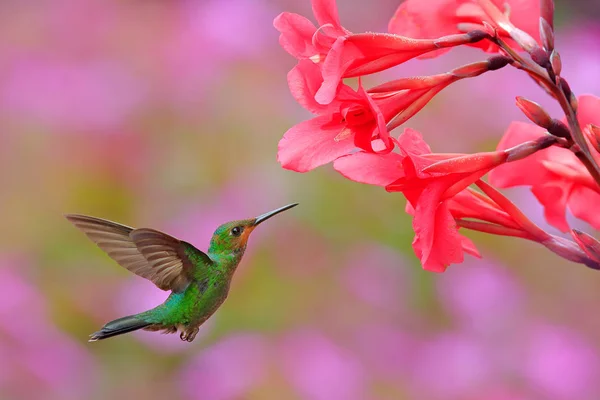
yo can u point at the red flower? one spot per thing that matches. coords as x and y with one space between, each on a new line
342 54
366 53
302 39
437 241
352 120
439 244
434 185
363 116
435 18
557 178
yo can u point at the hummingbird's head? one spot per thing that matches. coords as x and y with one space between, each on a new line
233 236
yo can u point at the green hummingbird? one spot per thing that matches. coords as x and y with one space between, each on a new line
199 282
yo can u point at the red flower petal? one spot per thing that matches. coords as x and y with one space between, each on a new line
332 71
511 174
326 12
296 34
583 203
364 54
311 144
588 111
304 80
554 196
436 18
423 19
439 244
469 247
411 141
370 168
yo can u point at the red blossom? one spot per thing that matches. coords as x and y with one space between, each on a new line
367 53
352 120
302 39
557 177
435 18
410 95
358 118
342 54
434 185
437 241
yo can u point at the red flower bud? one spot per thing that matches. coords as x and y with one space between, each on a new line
547 35
534 112
556 62
588 244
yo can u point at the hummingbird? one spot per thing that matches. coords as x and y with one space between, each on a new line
199 282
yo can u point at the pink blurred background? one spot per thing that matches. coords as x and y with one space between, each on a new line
167 114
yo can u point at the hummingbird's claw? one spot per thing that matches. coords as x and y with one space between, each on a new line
188 336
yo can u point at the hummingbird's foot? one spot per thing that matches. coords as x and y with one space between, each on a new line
188 336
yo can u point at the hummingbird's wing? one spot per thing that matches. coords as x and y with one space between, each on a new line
150 254
169 263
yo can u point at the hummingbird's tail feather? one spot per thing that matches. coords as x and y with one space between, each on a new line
118 327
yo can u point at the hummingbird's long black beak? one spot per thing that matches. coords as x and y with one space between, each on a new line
266 216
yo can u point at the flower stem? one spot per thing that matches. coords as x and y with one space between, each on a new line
542 77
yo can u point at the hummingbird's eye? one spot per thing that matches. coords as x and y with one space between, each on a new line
236 231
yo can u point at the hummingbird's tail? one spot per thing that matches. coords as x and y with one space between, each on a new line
119 326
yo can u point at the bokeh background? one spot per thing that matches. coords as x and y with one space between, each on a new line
167 114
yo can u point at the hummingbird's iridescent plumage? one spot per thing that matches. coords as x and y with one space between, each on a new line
199 282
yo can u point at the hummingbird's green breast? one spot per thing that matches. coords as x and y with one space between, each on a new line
201 298
196 304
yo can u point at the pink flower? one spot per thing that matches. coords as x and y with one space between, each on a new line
353 120
557 178
434 185
302 39
365 116
435 18
367 53
437 241
342 54
37 360
319 369
228 369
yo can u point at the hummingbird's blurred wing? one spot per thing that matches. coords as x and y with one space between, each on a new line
150 254
169 263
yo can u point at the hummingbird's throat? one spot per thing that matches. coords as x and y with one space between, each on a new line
246 234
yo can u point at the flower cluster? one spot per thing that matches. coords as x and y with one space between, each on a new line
353 125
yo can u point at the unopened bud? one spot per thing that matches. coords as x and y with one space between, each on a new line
540 57
528 148
410 83
478 35
547 35
460 39
589 245
534 112
547 12
497 62
524 40
556 62
470 70
559 129
572 251
466 27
